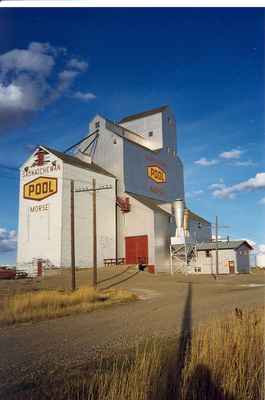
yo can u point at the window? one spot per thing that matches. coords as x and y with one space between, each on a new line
150 134
97 125
197 269
174 153
207 253
114 141
168 149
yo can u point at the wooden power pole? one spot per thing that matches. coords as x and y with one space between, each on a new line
94 222
73 234
94 232
216 246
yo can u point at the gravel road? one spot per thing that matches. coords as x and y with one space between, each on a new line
30 350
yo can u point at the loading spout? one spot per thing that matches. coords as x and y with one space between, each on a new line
178 211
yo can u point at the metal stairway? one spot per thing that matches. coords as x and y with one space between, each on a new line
183 257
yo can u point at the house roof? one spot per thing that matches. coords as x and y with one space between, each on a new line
68 159
231 244
143 114
149 203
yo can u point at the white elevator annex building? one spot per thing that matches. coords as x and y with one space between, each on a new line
137 216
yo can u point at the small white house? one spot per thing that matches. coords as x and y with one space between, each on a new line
233 257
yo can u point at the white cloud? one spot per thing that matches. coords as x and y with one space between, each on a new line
205 163
10 96
8 240
258 182
67 75
216 186
234 153
262 201
247 163
32 78
84 96
260 255
77 64
194 194
261 248
26 61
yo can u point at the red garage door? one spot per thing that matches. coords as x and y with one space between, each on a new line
136 249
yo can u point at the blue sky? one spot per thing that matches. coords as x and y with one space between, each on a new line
207 64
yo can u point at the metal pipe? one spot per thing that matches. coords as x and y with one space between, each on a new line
80 141
179 216
186 221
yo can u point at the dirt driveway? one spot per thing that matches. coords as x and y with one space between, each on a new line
30 350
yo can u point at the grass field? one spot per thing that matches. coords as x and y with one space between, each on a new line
220 360
48 304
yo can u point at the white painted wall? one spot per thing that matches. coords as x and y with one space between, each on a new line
39 232
109 151
208 264
83 218
169 131
142 126
47 234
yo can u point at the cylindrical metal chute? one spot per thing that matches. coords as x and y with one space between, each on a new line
186 222
178 207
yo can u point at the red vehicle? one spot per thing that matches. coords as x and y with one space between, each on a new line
6 273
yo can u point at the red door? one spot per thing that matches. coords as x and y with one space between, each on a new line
136 249
231 267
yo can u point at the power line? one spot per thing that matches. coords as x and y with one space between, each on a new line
9 168
94 190
8 177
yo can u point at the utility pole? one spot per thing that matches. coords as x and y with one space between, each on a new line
73 234
217 227
216 246
94 189
94 232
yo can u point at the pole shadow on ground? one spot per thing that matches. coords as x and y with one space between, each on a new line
120 281
200 385
114 276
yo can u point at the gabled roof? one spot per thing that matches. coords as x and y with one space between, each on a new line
231 244
68 159
143 114
148 202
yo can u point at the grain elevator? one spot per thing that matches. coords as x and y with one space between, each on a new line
140 215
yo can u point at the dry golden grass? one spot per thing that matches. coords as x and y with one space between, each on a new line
47 304
224 360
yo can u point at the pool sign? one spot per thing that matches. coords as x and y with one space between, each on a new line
157 174
40 188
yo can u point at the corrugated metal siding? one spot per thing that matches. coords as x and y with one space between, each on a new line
138 182
242 259
163 232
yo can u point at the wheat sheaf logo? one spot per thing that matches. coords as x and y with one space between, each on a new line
156 173
40 188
